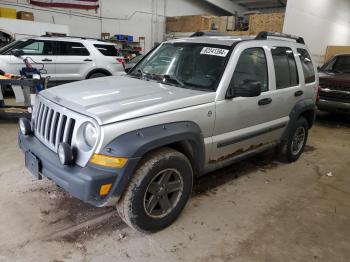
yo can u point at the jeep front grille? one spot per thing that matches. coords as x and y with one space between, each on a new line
53 124
53 127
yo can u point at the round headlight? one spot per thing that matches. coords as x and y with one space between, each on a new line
65 154
90 134
24 126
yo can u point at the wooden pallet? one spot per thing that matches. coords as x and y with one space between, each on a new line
196 23
333 50
272 22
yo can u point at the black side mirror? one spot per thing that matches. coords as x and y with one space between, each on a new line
127 70
247 88
17 52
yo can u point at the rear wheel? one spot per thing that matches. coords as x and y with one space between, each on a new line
291 150
158 191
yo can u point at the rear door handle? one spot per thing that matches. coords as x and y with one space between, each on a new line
298 93
264 101
46 60
87 60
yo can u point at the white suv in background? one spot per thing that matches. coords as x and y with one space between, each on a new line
64 58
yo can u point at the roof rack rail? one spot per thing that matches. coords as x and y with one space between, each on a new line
71 36
208 34
264 35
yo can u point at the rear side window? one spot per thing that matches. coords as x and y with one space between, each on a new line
306 63
72 49
285 67
107 50
251 65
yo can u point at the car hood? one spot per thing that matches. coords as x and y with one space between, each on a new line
340 78
118 98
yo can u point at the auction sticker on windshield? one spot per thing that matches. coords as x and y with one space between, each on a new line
214 51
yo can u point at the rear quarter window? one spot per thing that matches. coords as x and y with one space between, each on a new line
306 63
285 67
107 50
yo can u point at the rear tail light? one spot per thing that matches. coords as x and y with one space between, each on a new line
121 61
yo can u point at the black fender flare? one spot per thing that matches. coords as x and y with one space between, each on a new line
98 70
136 144
301 107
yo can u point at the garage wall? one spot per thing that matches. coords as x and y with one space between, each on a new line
321 23
134 17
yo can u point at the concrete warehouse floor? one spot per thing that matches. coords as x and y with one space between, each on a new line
256 210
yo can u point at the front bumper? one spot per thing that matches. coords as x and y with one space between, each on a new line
81 182
333 106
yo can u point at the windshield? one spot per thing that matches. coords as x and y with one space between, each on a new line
187 65
339 64
6 48
136 59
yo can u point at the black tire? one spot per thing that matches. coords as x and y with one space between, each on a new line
97 75
5 89
291 149
132 206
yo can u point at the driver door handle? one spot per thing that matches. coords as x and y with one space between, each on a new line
46 60
264 101
298 93
87 60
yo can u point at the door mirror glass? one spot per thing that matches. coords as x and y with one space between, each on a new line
17 52
248 88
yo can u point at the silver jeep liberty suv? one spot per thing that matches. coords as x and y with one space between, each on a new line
190 106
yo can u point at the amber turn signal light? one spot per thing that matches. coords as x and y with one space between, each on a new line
108 161
104 189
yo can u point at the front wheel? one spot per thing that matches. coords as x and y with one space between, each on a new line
158 192
97 75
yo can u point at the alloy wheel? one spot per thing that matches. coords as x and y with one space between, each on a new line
163 193
298 140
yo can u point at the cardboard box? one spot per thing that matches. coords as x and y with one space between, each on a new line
105 35
7 12
25 15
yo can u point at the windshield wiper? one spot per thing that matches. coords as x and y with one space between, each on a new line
174 79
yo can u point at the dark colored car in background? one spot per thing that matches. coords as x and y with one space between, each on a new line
334 90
